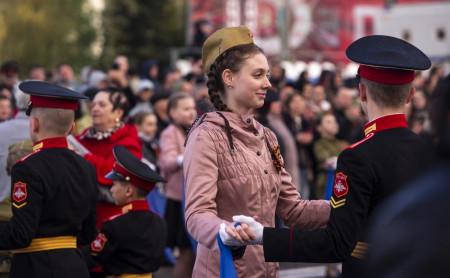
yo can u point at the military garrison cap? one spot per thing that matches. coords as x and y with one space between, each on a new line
386 59
222 40
128 167
43 94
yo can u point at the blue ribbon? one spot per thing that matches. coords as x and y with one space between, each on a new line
227 269
330 184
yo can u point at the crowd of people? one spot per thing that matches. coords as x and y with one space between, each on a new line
150 114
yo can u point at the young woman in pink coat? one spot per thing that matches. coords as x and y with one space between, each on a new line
232 164
182 112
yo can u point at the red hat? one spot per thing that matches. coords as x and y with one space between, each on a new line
51 102
386 75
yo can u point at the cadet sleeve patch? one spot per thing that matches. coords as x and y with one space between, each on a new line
19 193
99 243
340 187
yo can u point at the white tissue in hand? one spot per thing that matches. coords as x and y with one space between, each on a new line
226 238
256 227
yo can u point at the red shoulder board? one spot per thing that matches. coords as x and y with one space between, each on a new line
99 243
19 192
27 156
370 135
113 217
340 187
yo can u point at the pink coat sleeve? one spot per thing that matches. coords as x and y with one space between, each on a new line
299 213
171 148
201 175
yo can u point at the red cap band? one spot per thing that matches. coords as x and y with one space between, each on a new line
53 102
146 185
386 75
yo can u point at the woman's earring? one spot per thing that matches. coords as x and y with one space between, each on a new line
117 120
229 86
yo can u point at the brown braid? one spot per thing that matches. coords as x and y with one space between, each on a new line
232 59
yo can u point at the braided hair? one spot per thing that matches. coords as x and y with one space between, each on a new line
232 59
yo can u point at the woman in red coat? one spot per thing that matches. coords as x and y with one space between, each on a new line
108 130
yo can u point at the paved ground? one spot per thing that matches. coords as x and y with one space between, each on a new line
287 270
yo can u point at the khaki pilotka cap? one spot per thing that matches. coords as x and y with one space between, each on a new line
222 40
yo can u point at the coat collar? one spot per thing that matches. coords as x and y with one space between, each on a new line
135 205
56 142
385 122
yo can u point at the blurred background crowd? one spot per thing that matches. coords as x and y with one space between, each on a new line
314 118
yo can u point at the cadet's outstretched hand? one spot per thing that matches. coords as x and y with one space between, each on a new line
255 227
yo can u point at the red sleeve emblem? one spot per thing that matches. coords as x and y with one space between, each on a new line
99 243
19 192
340 187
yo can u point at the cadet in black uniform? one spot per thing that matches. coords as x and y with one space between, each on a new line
130 244
53 192
369 170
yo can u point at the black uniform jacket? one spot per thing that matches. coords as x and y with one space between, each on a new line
53 194
367 172
132 242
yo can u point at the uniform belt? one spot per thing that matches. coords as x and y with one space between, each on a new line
49 243
360 250
125 275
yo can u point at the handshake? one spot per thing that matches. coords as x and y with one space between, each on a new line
247 232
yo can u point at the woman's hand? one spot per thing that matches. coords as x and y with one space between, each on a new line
240 235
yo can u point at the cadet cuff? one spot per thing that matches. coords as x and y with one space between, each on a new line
238 253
